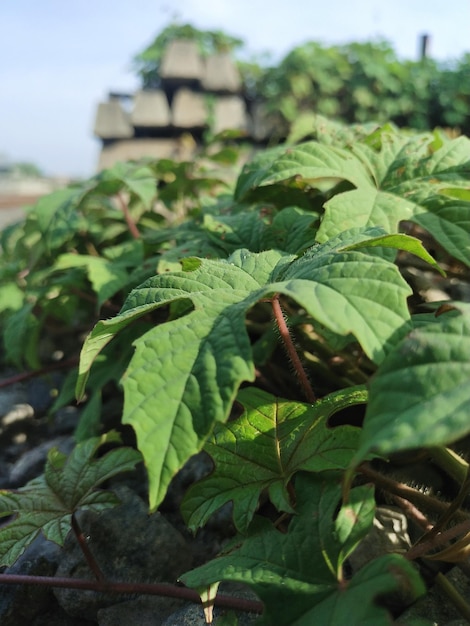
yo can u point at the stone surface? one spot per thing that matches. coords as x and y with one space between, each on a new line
193 615
221 74
32 462
56 616
17 413
144 611
389 533
16 393
20 604
189 109
65 420
230 114
112 122
129 545
134 149
151 109
436 606
181 60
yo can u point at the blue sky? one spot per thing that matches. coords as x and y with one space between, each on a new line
58 59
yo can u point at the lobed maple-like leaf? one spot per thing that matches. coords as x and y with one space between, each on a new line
135 178
298 574
264 447
46 504
185 373
412 181
309 162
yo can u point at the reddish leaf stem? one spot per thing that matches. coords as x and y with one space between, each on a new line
134 231
154 589
18 378
400 489
412 511
290 349
438 541
82 542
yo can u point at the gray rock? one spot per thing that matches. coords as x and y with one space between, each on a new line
56 616
43 390
11 395
65 420
388 534
32 462
20 604
193 615
17 413
436 606
129 545
144 611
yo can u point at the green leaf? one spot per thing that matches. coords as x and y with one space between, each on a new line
363 207
264 447
58 217
420 395
254 171
448 221
186 372
412 184
242 230
292 229
135 178
310 163
399 242
47 503
11 297
90 418
356 605
298 574
361 295
106 277
21 335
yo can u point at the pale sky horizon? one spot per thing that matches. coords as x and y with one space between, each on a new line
59 59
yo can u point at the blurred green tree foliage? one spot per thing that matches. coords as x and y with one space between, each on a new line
355 83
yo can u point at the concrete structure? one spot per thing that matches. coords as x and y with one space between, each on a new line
195 94
112 122
151 110
221 75
181 62
189 110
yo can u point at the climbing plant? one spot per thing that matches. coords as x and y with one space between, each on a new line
262 316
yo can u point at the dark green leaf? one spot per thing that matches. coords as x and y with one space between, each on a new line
298 575
420 395
191 367
47 503
262 449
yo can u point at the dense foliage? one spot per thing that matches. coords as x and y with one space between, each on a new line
355 82
256 315
358 82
